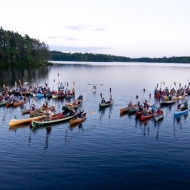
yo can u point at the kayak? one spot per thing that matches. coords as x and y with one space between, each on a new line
13 122
169 102
19 103
145 117
53 120
158 116
176 113
77 120
106 104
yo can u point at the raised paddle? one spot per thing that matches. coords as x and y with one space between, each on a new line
144 92
101 95
110 91
67 84
175 86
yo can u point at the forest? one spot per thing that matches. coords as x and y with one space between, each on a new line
16 49
61 56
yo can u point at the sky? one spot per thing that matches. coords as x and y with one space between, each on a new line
131 28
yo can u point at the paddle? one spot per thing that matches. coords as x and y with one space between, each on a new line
79 89
101 95
73 84
149 98
144 92
53 83
110 91
137 98
67 84
175 86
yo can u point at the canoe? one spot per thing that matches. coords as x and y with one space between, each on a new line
54 96
61 96
145 117
138 113
176 113
19 103
105 104
169 102
22 121
3 103
174 97
53 121
158 116
9 104
77 120
40 95
69 96
125 110
132 111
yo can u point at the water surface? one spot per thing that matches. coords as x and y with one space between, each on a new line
107 151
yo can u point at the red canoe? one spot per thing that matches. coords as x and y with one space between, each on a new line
144 117
138 113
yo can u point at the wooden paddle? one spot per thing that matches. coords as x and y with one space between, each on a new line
144 92
67 84
73 83
149 98
175 86
101 95
110 91
53 83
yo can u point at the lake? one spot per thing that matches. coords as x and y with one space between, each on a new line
106 151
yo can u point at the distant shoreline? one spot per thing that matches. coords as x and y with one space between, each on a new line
89 57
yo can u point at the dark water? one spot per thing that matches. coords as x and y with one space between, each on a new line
107 151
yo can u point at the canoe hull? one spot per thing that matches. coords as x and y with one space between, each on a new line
177 113
169 102
53 121
158 117
77 120
14 122
143 117
105 105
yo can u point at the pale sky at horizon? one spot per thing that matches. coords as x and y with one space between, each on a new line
131 28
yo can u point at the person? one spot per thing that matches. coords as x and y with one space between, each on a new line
72 111
185 105
130 105
69 92
146 104
153 108
79 115
33 107
111 99
159 111
48 115
139 106
145 112
179 107
103 101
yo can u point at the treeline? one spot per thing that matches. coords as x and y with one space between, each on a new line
60 56
16 49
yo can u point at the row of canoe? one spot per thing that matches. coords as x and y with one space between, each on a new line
39 121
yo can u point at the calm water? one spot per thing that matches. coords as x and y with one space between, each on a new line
107 151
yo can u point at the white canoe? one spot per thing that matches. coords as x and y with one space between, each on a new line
158 117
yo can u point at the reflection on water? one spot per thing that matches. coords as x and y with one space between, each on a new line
142 153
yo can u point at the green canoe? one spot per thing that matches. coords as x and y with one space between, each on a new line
3 103
54 120
105 104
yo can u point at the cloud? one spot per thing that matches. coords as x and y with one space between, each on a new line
62 37
82 28
98 29
77 27
76 49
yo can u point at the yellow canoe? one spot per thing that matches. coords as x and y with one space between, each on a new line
14 122
174 97
77 120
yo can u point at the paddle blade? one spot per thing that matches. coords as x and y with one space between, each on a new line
174 83
110 90
157 85
101 95
73 83
136 96
58 74
144 90
179 85
67 84
54 80
149 95
164 83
